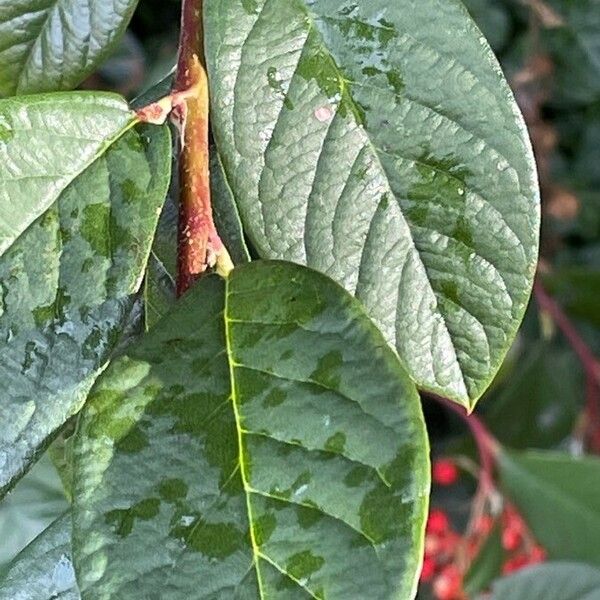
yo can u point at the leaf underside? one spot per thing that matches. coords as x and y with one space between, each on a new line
67 283
268 446
365 140
50 45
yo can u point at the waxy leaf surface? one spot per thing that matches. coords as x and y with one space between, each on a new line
43 570
70 272
379 143
269 445
48 45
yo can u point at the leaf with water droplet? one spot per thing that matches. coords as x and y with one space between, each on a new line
388 153
228 497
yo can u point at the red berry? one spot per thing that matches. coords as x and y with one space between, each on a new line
513 520
514 564
433 545
537 555
511 538
444 472
484 524
428 570
447 585
438 522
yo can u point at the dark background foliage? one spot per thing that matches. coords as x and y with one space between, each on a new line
550 52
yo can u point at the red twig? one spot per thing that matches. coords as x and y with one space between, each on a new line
487 445
589 362
199 245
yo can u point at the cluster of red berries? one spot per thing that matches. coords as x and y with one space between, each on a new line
448 555
517 540
440 566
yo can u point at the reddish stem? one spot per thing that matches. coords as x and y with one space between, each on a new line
199 244
588 360
487 445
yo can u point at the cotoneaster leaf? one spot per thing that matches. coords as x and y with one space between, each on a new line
379 143
48 45
76 244
269 445
43 570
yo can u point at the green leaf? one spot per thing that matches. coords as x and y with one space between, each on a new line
487 564
557 489
43 571
539 403
269 445
67 283
227 218
550 581
575 49
46 141
379 143
577 289
35 503
53 45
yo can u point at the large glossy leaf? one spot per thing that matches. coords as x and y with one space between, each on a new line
558 496
269 445
48 45
552 581
67 282
43 571
45 142
378 142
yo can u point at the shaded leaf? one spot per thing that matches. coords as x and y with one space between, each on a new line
550 581
487 564
43 571
67 284
539 402
558 496
578 290
367 141
269 445
53 45
35 503
575 49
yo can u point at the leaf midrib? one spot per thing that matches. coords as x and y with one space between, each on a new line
256 554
